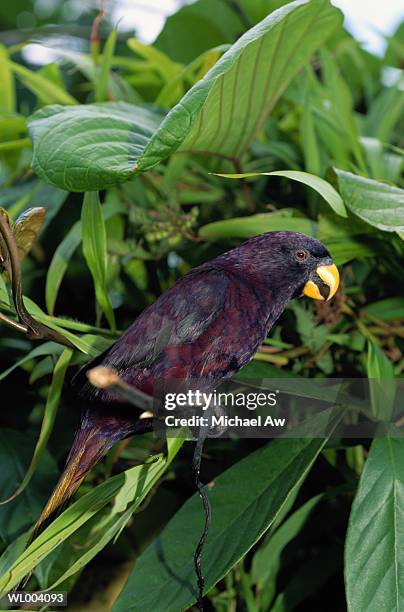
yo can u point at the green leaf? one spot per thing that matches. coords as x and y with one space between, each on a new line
385 111
48 420
158 60
133 484
374 551
342 105
197 27
42 87
223 112
308 136
95 146
47 348
267 559
387 309
64 253
90 147
327 191
101 84
15 455
246 227
242 508
344 250
59 263
7 98
378 366
95 251
382 386
308 580
63 325
378 204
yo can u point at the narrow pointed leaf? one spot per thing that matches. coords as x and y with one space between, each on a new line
325 189
95 251
51 407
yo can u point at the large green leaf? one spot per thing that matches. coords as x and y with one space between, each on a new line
374 554
223 112
92 147
242 509
379 204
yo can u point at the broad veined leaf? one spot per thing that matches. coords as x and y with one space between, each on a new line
379 204
242 508
327 191
222 113
374 551
92 147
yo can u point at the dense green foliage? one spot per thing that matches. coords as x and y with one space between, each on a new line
124 144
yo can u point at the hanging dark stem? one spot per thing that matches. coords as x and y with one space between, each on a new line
196 468
27 324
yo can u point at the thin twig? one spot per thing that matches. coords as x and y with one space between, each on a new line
20 327
103 377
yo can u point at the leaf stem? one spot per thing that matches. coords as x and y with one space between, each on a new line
27 324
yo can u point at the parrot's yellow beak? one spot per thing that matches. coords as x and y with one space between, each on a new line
325 290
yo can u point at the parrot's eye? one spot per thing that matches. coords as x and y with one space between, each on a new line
301 255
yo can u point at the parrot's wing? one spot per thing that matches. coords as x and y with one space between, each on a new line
180 316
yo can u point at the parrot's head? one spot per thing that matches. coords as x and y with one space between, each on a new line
289 262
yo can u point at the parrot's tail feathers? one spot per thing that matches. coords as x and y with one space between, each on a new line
95 436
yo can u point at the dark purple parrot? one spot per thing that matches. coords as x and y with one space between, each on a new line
206 327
